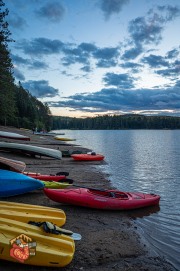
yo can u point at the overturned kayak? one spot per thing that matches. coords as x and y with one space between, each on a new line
102 199
87 157
10 164
30 150
29 212
14 136
31 245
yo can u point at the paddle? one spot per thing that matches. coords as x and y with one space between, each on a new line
52 228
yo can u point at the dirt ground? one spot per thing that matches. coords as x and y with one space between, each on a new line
110 239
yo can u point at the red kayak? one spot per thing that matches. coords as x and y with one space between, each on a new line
55 178
102 199
87 157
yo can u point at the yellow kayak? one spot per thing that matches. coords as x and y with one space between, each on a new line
28 212
31 245
63 138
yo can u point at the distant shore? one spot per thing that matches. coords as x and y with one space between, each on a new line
110 239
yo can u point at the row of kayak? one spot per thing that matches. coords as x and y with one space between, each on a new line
13 183
17 136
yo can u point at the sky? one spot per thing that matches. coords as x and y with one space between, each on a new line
88 58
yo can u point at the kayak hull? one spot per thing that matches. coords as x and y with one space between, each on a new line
13 183
13 165
31 150
87 157
99 199
14 136
50 249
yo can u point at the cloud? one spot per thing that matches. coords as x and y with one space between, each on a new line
53 12
15 21
147 30
155 61
40 46
117 99
40 89
172 54
119 80
110 7
30 63
18 75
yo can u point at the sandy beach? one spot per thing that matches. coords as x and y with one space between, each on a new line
110 239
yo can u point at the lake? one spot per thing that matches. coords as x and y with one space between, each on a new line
146 161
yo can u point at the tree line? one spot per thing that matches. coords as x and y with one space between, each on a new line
129 121
17 106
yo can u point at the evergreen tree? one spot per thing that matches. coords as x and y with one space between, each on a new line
7 101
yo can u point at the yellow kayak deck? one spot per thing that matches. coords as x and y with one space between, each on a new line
29 212
28 244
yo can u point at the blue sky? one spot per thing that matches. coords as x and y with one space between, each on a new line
94 57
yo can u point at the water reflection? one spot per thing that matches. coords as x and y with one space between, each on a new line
145 161
140 213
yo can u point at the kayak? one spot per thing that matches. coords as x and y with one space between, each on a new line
29 212
13 183
63 138
45 177
13 165
87 157
102 199
30 150
14 136
31 245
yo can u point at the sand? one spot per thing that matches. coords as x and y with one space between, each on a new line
110 239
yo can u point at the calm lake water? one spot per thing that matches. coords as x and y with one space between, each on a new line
146 161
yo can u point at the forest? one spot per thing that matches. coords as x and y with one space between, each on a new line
20 109
17 106
116 122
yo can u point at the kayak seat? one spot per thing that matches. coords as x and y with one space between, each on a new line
112 194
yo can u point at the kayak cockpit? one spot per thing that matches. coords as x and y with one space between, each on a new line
109 194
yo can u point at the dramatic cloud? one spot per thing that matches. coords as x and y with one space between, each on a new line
52 11
124 100
110 7
40 89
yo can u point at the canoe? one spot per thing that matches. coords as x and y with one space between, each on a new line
31 245
87 157
14 136
13 183
31 150
102 199
29 212
11 164
63 138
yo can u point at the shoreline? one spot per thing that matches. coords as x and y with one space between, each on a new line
110 239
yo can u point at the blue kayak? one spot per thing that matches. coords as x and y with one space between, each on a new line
13 183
